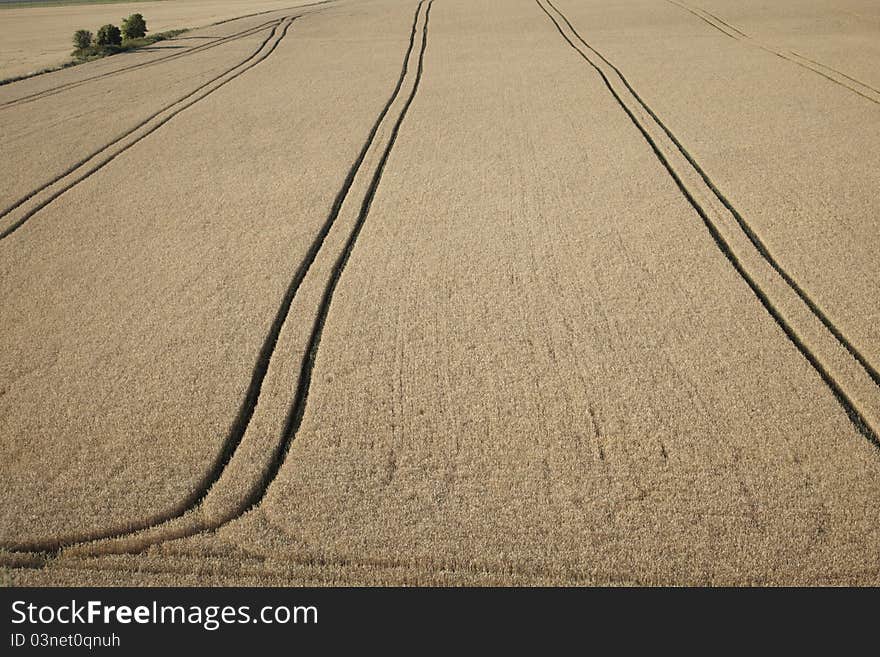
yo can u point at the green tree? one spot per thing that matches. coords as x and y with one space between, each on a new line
134 27
82 39
108 35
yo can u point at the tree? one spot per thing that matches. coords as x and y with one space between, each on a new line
108 35
82 39
134 27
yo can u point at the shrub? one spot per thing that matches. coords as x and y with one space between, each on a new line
82 39
134 27
108 35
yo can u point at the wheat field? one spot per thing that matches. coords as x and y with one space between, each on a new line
33 38
448 292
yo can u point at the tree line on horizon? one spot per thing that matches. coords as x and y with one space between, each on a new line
109 38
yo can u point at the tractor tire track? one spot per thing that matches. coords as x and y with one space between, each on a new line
846 402
868 92
97 152
725 24
51 548
298 407
834 70
753 236
272 11
80 171
45 93
705 20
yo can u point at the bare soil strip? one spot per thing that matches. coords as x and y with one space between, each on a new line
861 409
864 90
66 180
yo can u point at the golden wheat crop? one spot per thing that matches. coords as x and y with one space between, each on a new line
450 292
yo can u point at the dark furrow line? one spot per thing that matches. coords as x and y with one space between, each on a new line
271 11
705 20
843 399
256 13
268 349
726 24
45 93
834 70
754 238
258 375
97 152
30 213
298 407
824 75
776 52
203 46
53 546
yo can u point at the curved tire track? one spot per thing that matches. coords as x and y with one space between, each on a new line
857 418
53 545
251 397
298 407
253 58
196 49
39 95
